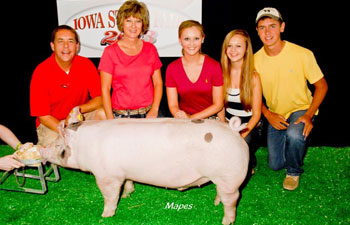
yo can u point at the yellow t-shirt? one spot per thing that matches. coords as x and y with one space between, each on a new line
284 78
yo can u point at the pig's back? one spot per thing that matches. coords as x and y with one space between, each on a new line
173 146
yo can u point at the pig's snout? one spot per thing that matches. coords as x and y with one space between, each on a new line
42 152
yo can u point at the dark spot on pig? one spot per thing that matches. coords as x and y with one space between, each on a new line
62 153
197 121
208 137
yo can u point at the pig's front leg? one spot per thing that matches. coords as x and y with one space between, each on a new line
110 189
128 188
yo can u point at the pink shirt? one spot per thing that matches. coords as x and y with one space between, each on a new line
131 75
194 97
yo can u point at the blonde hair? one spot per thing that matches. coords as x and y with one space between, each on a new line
246 81
135 9
190 23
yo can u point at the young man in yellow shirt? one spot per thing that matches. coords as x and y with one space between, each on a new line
285 68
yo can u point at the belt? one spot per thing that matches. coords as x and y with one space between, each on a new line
128 112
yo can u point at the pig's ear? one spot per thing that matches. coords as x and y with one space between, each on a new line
61 129
75 116
235 124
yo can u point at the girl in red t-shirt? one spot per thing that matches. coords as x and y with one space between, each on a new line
194 81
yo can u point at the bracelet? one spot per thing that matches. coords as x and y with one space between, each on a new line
18 145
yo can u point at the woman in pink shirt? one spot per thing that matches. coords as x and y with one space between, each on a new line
194 81
131 68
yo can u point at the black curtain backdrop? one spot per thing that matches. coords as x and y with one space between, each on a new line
316 25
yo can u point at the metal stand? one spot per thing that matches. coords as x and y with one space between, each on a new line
43 177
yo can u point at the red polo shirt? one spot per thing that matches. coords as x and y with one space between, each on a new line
54 92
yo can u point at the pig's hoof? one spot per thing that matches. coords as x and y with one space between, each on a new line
128 189
226 221
127 192
126 195
108 213
217 200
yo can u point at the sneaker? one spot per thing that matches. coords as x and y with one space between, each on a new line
290 183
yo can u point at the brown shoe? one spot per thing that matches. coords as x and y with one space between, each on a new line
290 183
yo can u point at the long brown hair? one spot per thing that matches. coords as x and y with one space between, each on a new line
246 81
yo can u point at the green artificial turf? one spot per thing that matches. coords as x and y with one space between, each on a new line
322 198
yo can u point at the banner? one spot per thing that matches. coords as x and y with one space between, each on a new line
95 22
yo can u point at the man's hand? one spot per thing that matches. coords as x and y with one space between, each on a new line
277 121
307 120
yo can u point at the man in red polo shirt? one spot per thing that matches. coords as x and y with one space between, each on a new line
61 82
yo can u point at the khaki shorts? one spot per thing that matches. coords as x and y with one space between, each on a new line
46 136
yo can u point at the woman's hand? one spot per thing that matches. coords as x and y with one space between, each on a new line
152 113
10 162
181 115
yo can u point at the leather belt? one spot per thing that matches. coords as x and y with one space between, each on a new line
130 112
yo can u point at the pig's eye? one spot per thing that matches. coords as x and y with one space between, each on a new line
62 153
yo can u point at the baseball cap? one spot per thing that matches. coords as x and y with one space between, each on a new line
270 12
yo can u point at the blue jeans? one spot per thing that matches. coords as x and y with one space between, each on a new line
287 147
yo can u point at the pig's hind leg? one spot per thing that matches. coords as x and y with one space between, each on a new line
128 188
110 189
228 195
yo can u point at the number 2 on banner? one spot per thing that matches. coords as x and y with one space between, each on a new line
110 37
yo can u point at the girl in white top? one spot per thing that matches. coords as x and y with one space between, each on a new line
242 87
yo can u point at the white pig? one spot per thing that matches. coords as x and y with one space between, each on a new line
167 152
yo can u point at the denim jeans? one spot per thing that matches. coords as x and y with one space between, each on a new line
287 147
